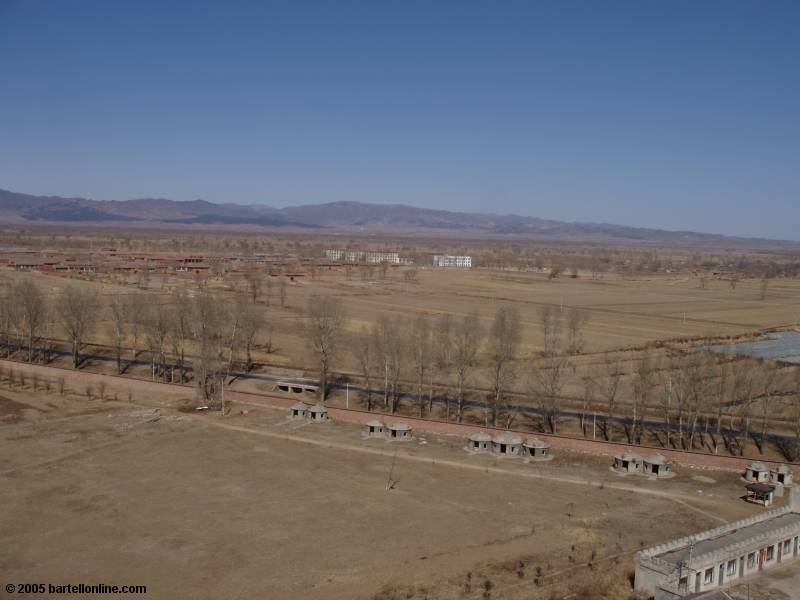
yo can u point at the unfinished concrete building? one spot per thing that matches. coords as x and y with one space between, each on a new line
374 429
781 475
657 465
318 414
399 432
479 442
298 411
536 449
627 463
756 472
720 557
507 444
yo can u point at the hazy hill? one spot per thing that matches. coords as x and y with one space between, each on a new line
353 216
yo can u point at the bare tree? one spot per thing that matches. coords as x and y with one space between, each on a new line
181 329
157 324
136 308
546 382
577 318
326 320
363 348
251 324
608 383
254 281
421 356
744 385
282 290
550 319
443 357
208 322
77 309
767 380
643 384
118 315
467 335
503 346
31 309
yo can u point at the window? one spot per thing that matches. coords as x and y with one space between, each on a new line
683 583
751 560
787 546
709 576
731 567
770 552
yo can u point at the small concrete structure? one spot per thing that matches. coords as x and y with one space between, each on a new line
536 449
507 444
318 414
298 411
657 465
399 432
756 472
781 475
480 441
374 429
628 463
760 493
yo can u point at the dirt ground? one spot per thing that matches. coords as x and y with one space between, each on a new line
252 505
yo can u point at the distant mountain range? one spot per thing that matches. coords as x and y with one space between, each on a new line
17 208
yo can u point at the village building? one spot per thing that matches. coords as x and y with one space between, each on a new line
657 465
480 441
627 463
298 411
720 557
374 428
536 449
781 475
507 444
760 493
400 432
318 413
447 260
756 472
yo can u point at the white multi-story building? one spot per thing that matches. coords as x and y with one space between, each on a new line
447 260
344 255
393 258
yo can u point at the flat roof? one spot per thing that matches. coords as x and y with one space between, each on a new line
730 538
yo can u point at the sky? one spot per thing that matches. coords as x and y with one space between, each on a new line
667 114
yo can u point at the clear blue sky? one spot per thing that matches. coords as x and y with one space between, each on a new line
672 114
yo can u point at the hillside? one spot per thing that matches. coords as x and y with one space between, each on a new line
18 208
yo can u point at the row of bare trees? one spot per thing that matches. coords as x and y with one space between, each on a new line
218 335
30 318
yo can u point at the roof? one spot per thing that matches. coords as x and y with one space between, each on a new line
374 423
318 408
757 465
761 488
536 443
480 436
657 459
507 437
299 406
629 455
782 468
400 427
740 535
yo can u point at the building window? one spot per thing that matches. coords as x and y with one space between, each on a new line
787 546
731 567
770 552
709 576
751 560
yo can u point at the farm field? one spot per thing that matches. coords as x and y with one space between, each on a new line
205 507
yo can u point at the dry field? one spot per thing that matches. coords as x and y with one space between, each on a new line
205 507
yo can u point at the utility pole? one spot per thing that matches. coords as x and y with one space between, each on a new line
347 395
